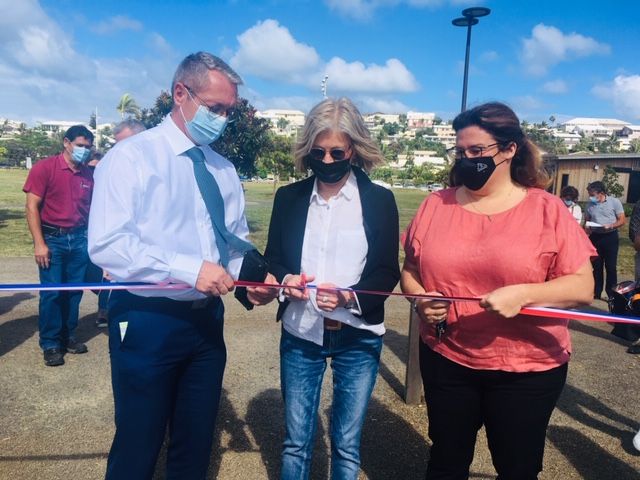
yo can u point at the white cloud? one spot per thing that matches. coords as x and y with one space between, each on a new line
43 77
489 56
363 10
555 87
377 104
393 76
623 92
158 43
114 24
548 46
527 102
268 50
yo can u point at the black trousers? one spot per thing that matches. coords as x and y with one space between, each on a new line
514 408
607 247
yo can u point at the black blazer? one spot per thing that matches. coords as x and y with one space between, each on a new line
380 214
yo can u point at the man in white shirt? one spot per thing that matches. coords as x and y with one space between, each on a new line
149 223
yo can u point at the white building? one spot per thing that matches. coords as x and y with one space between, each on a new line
420 158
594 127
283 122
628 134
378 118
54 126
570 140
10 128
418 120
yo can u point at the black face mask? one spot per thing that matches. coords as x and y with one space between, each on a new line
330 172
475 172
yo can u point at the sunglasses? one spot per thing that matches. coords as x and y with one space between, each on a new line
318 153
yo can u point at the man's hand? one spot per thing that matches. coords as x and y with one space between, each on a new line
263 295
213 280
42 255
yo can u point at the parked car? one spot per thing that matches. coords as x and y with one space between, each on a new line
382 183
434 187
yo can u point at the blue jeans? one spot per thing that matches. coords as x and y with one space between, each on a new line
355 355
59 309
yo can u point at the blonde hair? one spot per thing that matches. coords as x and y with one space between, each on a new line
340 116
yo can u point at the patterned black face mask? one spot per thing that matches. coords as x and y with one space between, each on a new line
475 172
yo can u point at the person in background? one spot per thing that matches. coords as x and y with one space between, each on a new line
569 196
335 228
96 156
482 362
122 130
127 128
58 192
95 274
607 213
634 236
152 223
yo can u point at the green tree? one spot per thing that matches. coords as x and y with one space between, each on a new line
634 146
127 105
277 159
245 138
282 123
31 142
611 183
391 128
154 115
545 141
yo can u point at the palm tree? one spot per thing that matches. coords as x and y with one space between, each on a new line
127 105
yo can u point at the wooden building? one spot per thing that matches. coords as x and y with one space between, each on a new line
580 169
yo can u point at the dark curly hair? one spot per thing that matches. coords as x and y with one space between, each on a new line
499 121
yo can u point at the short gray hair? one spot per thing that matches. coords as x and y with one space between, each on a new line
340 116
136 126
193 71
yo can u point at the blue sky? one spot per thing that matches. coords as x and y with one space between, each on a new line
59 59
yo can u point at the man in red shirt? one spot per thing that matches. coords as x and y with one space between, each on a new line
59 192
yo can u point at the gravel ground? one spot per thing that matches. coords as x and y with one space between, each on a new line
56 423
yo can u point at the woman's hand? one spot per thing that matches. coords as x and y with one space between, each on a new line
432 311
328 298
505 301
296 286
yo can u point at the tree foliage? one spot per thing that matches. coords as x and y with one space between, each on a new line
127 105
245 138
611 183
154 115
31 142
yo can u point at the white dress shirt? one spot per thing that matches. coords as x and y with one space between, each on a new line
148 221
335 251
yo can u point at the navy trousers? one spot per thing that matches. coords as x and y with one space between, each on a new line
167 363
607 246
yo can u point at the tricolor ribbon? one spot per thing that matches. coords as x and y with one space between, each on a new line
534 311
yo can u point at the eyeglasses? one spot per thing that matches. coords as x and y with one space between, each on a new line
470 152
216 109
318 153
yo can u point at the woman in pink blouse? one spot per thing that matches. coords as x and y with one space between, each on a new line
499 236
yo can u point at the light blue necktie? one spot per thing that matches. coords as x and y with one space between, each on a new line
215 205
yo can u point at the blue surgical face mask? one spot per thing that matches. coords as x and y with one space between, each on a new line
205 127
568 202
80 154
593 199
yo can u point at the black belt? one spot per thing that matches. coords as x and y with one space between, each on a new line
57 231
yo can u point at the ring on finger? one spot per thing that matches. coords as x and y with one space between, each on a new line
324 299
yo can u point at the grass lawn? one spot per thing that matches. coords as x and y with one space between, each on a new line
15 239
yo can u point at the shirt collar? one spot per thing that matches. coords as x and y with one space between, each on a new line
348 190
178 141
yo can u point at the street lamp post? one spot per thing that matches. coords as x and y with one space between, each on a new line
469 19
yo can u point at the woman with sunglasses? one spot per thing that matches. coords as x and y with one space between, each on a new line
497 236
338 231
